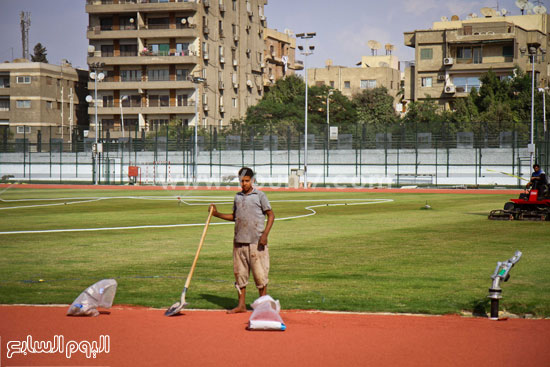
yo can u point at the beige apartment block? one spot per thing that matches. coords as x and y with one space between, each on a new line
39 99
151 48
374 71
279 56
451 57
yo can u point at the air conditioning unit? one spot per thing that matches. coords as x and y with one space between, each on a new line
206 3
235 63
222 109
205 56
206 30
222 8
221 85
205 107
249 83
235 37
271 77
450 88
448 61
273 54
262 18
250 13
235 85
222 60
441 77
248 51
262 65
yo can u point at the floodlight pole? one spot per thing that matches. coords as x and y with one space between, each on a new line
123 98
196 80
95 67
532 146
306 52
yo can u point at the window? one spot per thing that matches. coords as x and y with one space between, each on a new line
159 101
426 53
23 103
23 129
4 104
182 74
158 75
158 23
466 83
182 49
23 80
332 83
368 84
107 50
126 23
182 100
4 81
130 75
108 101
49 105
234 5
508 51
106 24
234 102
347 84
469 55
128 50
427 81
135 100
160 49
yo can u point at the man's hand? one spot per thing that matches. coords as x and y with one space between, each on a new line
214 210
263 240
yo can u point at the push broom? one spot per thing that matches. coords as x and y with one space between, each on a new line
178 306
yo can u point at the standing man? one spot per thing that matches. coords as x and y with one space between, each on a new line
250 252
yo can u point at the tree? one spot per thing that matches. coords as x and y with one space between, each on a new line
40 53
375 107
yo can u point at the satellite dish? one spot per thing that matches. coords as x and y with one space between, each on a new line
529 7
444 19
488 12
474 15
374 45
498 13
539 9
183 21
468 17
389 48
521 4
503 12
455 17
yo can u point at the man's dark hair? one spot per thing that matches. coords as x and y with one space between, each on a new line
245 171
536 165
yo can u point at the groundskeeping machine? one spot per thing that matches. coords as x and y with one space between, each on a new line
529 206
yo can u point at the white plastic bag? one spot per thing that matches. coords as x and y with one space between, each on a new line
266 315
101 294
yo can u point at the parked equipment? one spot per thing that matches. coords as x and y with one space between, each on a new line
529 206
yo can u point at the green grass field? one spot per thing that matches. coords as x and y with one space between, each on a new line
389 256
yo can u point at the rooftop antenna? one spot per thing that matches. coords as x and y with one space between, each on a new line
389 48
25 25
374 46
522 4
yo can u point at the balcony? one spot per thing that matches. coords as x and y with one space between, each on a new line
95 33
128 6
146 59
135 85
144 110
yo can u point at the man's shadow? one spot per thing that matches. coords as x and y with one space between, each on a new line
225 302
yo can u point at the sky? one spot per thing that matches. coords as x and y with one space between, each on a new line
343 27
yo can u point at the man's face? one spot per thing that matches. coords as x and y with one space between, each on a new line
246 183
536 168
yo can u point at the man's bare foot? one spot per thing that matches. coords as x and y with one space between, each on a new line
238 309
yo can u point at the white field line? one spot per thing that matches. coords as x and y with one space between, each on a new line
201 202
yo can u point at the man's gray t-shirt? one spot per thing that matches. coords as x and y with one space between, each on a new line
249 213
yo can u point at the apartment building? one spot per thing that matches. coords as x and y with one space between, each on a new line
452 55
279 56
39 100
371 72
149 49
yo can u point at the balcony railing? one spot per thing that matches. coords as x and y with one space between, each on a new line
111 2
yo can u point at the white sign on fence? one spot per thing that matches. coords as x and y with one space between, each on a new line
334 133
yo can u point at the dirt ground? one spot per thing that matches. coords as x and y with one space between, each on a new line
134 336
